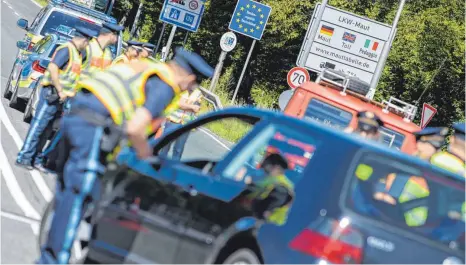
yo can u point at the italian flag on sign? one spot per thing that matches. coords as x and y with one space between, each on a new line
373 45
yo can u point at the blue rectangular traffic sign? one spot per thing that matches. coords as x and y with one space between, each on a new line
186 14
250 18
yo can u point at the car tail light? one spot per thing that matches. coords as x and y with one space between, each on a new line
330 240
31 44
36 67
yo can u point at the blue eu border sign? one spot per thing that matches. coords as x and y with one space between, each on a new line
250 18
186 14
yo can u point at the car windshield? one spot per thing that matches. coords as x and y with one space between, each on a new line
416 200
327 114
65 24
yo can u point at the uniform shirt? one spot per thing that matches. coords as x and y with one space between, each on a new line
61 59
158 97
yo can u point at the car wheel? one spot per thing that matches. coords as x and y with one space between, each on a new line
14 100
7 92
28 109
242 256
79 248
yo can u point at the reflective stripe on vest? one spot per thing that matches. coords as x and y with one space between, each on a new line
121 59
120 88
182 116
96 58
279 215
449 162
69 76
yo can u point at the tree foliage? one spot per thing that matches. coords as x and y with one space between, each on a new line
430 32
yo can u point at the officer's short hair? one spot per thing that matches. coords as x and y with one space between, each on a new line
275 160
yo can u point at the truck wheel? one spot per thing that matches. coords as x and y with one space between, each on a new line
242 256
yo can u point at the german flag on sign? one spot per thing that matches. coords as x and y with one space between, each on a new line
326 30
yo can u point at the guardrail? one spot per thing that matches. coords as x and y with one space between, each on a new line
212 98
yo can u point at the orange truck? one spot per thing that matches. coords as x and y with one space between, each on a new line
332 101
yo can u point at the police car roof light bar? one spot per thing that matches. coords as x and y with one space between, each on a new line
408 110
84 10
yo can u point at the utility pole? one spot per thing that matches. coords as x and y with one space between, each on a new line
133 28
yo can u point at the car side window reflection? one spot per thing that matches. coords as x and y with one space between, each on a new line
210 142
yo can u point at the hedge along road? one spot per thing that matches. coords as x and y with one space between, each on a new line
24 194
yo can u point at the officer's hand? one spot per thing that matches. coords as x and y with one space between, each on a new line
62 96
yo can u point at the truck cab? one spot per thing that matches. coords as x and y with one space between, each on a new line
331 101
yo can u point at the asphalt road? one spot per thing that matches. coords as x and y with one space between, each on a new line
24 194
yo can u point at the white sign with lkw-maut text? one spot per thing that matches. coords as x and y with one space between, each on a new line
345 42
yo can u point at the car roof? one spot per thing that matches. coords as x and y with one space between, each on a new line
76 8
358 105
358 141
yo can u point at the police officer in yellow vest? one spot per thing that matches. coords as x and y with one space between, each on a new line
453 159
429 141
58 83
98 55
275 193
189 106
146 51
131 53
121 100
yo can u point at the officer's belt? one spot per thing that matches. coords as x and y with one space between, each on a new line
92 117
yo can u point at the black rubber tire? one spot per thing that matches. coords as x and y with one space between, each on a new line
27 117
7 92
14 100
43 222
244 255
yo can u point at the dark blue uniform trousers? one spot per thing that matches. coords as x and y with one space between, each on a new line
81 186
45 113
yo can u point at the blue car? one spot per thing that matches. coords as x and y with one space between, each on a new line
28 69
351 203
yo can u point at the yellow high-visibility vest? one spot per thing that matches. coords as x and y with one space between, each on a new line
183 116
69 76
96 58
449 162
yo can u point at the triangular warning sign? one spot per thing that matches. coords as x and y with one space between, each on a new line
427 113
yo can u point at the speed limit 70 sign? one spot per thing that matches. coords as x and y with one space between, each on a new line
297 76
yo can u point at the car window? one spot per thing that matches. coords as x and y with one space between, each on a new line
392 138
65 24
295 148
327 114
211 141
411 198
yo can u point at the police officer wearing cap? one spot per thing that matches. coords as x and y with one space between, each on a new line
132 52
453 159
146 50
368 125
98 55
108 108
429 141
58 83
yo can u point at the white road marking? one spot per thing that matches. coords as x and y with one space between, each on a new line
215 138
15 189
19 218
36 176
17 14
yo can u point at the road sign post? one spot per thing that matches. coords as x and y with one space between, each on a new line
249 19
297 76
428 113
169 43
227 44
284 98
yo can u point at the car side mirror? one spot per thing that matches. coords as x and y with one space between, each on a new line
22 45
22 23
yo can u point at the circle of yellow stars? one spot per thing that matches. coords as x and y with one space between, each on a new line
238 20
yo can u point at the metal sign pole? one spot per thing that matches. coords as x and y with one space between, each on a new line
160 38
385 52
312 36
218 70
242 73
169 43
185 38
